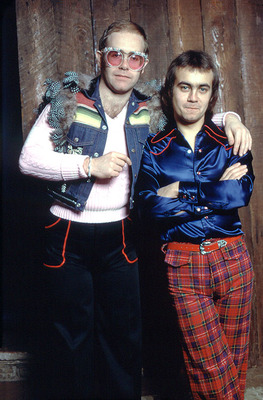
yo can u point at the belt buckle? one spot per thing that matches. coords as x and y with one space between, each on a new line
202 249
220 243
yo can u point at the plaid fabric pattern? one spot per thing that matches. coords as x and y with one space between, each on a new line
212 296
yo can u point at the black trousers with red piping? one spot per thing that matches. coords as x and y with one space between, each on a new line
91 319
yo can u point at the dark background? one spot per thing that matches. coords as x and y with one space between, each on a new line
24 203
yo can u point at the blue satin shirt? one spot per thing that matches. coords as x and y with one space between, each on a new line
206 207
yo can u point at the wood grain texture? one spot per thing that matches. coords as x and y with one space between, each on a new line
221 40
153 16
37 53
185 24
74 37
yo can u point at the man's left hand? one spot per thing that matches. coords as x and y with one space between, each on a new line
238 135
236 171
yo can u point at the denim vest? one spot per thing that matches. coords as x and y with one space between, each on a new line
89 139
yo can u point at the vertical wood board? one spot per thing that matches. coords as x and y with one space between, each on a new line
185 25
221 40
37 53
74 37
152 16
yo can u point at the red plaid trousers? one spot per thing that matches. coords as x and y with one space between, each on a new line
212 297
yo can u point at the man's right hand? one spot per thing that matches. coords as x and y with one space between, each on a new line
107 166
171 190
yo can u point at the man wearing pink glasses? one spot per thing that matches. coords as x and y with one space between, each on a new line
88 144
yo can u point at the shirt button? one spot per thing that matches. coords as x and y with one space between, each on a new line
189 151
104 127
133 104
133 150
198 209
184 196
198 173
206 217
96 155
78 205
76 139
200 150
192 197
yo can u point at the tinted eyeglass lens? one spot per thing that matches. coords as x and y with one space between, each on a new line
135 61
115 59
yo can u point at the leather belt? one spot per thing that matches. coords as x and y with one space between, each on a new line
205 247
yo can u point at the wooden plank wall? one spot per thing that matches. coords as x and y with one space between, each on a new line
58 36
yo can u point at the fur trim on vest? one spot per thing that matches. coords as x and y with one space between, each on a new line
61 95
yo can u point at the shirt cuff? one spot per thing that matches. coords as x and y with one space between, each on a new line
72 167
230 112
188 192
82 172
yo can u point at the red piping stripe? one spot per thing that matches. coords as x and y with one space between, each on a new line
157 154
216 134
55 223
63 250
208 127
163 137
124 246
218 141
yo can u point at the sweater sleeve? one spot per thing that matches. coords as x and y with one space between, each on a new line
39 159
219 118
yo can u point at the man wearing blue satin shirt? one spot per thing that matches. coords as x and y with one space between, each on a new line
190 188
